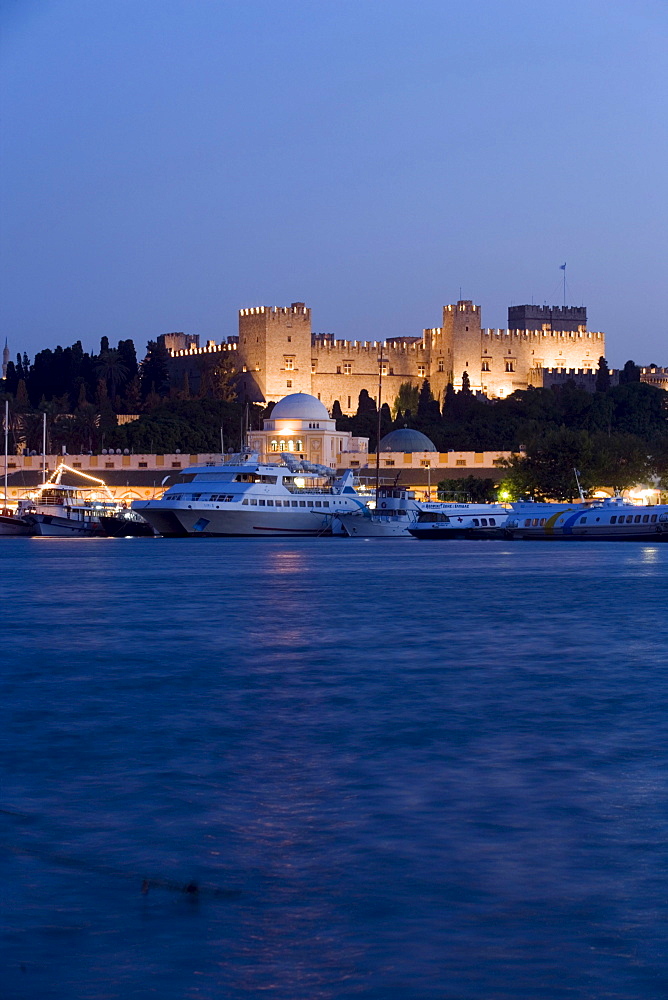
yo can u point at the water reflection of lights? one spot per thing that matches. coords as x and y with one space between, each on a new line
649 555
287 562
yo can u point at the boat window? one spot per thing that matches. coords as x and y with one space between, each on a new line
542 521
267 479
475 522
583 520
613 519
653 518
645 518
270 503
245 502
637 519
310 503
253 503
629 518
245 477
483 520
302 503
535 522
318 504
261 503
295 503
325 503
527 523
492 521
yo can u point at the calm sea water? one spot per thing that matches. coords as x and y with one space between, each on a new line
389 769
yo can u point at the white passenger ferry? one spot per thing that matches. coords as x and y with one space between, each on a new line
614 520
244 496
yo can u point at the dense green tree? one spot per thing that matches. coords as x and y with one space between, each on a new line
602 376
337 412
546 470
478 490
154 370
111 367
406 399
428 410
619 461
629 373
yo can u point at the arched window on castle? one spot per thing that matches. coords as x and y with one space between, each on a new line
485 365
510 366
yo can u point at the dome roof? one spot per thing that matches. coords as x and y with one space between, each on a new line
299 406
406 440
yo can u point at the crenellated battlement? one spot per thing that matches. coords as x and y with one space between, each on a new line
276 353
541 335
276 312
365 346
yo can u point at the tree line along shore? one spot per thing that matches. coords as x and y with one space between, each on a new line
616 436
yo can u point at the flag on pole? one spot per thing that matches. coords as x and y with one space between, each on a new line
562 267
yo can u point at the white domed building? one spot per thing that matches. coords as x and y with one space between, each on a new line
300 424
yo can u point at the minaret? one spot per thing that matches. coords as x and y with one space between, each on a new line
5 359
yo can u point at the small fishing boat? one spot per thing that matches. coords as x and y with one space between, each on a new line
63 510
11 523
463 524
125 524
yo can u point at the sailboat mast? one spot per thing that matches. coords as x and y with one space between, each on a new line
44 446
6 444
380 389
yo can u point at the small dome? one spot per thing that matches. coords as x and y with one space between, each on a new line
406 440
299 406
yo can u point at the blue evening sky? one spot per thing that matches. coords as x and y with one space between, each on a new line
167 162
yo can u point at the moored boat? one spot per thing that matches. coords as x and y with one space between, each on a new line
126 523
442 525
247 497
11 523
614 520
65 510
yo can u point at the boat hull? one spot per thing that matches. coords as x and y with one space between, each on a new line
245 523
54 526
13 526
441 532
657 535
126 527
358 526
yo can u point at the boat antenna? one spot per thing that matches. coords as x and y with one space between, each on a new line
44 446
222 445
577 480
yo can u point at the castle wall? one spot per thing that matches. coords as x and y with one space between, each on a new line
275 345
277 354
342 368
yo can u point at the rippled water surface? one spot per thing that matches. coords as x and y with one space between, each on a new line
319 768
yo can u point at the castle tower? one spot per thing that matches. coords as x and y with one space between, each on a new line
275 350
461 342
5 359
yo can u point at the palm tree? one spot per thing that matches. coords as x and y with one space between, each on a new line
111 367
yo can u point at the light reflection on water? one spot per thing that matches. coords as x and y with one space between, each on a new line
430 770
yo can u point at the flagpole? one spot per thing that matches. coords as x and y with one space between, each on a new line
563 268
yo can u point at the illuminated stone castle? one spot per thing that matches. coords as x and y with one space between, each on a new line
276 354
